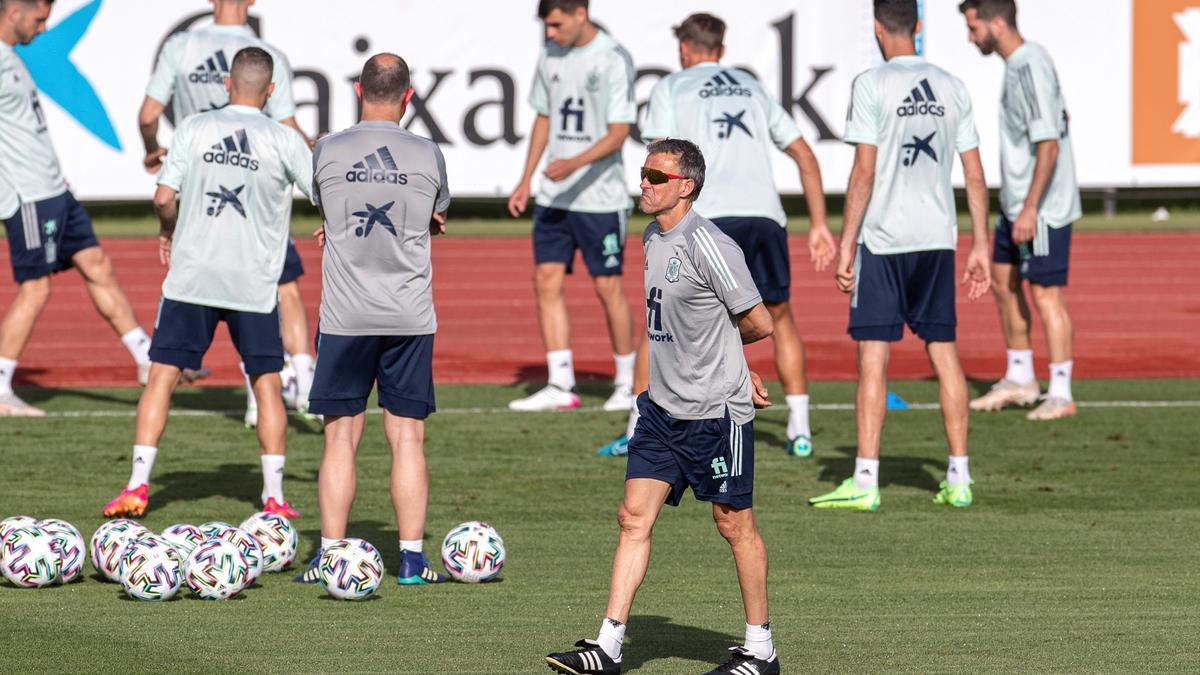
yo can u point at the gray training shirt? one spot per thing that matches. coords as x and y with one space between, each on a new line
378 185
696 284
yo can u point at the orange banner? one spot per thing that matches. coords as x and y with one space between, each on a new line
1166 82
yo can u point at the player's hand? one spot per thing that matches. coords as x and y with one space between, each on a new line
164 249
437 224
319 235
977 276
153 160
758 392
1025 227
559 169
821 249
843 275
518 199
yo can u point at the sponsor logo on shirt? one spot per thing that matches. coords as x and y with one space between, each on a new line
919 146
372 216
377 167
921 101
221 197
233 150
654 325
724 84
728 123
213 70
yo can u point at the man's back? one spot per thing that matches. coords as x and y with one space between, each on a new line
28 162
378 186
735 122
919 117
233 168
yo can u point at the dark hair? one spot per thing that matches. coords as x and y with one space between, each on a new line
990 9
702 30
565 6
898 17
691 160
384 79
252 66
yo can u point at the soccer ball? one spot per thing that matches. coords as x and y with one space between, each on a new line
185 538
251 551
71 551
277 537
29 558
151 569
216 570
108 543
351 569
213 529
9 524
473 552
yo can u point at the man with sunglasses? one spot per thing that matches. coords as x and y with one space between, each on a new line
696 425
738 126
583 95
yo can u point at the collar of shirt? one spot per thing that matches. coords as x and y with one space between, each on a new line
906 58
678 226
244 109
378 124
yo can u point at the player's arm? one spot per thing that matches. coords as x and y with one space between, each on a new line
755 324
611 143
148 117
1043 172
158 95
978 270
291 122
858 196
167 211
820 240
539 136
441 201
1038 98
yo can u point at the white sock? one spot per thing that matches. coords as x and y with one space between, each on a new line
143 463
1020 366
758 640
303 365
561 364
412 545
251 402
797 416
272 468
138 344
625 364
957 472
612 634
866 473
1060 380
326 542
633 420
8 368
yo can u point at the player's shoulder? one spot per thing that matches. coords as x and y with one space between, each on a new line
703 237
177 41
1031 54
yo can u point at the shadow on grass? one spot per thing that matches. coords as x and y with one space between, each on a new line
656 637
381 535
531 378
240 482
893 469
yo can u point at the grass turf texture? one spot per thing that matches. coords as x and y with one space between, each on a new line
1077 556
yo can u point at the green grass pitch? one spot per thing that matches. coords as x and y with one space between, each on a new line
1080 553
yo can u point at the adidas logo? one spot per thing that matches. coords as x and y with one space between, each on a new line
233 150
723 84
377 167
724 487
921 102
213 70
612 262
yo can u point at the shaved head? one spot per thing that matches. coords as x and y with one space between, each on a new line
250 75
384 79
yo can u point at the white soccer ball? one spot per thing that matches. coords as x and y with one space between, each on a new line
473 552
71 550
251 551
277 537
9 524
29 558
108 543
351 569
216 570
213 529
185 538
151 569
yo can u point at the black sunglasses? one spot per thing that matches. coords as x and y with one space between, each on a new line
656 177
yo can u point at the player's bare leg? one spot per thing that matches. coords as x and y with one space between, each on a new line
861 491
338 478
620 332
952 390
1051 303
293 324
790 364
110 302
154 406
15 329
555 328
410 497
619 447
1015 388
644 499
738 528
272 417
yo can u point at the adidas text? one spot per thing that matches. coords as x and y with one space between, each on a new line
206 78
231 159
913 109
376 176
726 90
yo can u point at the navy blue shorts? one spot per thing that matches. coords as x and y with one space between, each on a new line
600 237
43 236
905 288
348 366
714 456
1046 259
293 268
765 245
183 332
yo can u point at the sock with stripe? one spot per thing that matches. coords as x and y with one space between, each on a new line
866 473
758 640
272 469
1020 366
957 472
612 634
138 344
8 368
1060 380
797 416
143 464
625 364
561 364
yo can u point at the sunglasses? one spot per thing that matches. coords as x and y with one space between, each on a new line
656 177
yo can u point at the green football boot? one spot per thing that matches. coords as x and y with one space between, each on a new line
957 495
848 496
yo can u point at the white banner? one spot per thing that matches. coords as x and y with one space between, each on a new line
473 61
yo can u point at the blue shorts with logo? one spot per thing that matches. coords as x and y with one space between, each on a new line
44 236
904 288
713 456
765 245
293 268
348 366
183 332
599 237
1045 260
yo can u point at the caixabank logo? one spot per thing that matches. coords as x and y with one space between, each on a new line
1166 81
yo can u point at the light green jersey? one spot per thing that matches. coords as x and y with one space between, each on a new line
29 169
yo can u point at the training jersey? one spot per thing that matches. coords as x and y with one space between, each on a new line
29 169
1032 110
696 283
378 186
735 123
193 65
233 169
583 90
919 117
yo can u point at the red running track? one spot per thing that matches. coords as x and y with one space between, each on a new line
1133 298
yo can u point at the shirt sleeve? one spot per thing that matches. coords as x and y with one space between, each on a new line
967 136
539 93
281 105
175 169
862 119
1037 84
162 81
299 166
722 265
660 113
622 108
316 163
782 127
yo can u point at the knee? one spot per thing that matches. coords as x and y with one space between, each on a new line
1045 298
633 525
607 288
36 291
97 269
547 282
735 527
1004 288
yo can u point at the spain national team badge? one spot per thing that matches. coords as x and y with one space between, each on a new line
593 81
673 266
